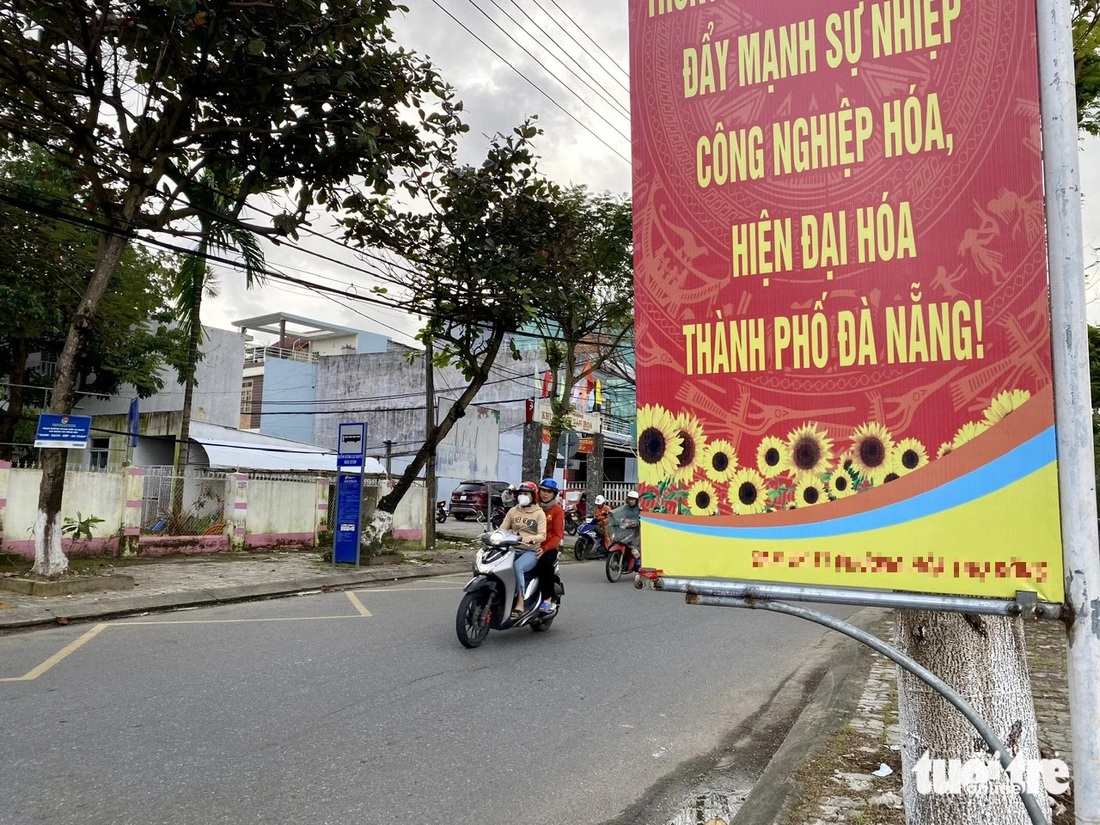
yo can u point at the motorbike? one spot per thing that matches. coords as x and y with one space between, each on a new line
496 518
490 594
571 525
589 543
441 511
623 557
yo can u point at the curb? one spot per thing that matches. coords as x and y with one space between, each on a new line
829 709
51 614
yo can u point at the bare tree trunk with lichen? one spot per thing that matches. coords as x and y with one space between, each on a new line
981 657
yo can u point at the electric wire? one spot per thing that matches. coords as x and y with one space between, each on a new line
534 85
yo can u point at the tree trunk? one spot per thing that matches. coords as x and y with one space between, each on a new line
981 657
182 456
388 503
49 559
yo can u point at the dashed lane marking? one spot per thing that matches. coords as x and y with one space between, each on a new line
362 612
358 604
34 673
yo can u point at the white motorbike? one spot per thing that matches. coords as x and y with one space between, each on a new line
490 594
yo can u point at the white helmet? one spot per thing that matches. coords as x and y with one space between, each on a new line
600 500
631 494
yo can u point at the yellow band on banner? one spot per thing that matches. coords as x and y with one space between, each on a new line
931 554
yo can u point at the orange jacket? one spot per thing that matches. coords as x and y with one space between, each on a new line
555 527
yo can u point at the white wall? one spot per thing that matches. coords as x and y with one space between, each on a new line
89 494
281 506
217 394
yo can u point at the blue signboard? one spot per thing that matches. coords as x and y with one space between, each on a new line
349 494
351 446
64 431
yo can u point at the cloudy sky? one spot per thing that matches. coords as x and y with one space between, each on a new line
496 55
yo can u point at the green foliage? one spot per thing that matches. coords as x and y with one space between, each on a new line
80 527
586 301
479 246
48 263
1086 52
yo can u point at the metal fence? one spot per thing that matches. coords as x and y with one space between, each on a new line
613 491
203 494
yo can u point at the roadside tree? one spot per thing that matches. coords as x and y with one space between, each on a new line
47 262
312 98
479 252
218 233
586 305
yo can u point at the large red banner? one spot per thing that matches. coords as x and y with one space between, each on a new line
844 367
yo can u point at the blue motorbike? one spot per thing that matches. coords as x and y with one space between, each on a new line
588 545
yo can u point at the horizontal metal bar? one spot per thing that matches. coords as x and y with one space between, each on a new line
857 596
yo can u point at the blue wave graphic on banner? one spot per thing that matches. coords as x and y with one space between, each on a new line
1019 463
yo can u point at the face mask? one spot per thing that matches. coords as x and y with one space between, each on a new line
524 500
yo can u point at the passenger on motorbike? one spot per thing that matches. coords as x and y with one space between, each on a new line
601 514
626 523
555 533
529 520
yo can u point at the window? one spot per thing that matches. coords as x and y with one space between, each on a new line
99 454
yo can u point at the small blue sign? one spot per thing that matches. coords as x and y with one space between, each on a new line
349 494
63 431
351 446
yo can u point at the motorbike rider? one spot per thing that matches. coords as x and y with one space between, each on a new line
626 523
550 502
601 514
529 520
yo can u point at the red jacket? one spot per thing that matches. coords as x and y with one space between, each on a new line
555 527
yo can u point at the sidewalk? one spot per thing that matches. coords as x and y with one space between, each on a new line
215 579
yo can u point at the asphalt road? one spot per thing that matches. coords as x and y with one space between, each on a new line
362 707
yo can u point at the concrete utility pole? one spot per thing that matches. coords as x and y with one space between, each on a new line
532 451
1072 400
595 471
429 468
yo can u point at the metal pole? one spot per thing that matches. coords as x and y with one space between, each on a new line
859 597
1072 402
899 658
429 426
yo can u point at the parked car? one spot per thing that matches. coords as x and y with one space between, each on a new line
476 498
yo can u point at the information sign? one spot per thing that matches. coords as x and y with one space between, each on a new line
349 496
351 446
63 431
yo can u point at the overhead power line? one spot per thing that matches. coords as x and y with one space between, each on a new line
534 85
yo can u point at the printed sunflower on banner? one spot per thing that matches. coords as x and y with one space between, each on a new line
659 445
810 492
702 500
810 452
909 455
1004 404
872 448
719 461
748 492
692 447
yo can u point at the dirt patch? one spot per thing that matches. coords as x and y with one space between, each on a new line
839 783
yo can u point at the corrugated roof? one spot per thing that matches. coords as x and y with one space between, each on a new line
231 449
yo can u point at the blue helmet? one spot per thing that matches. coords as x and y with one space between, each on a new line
549 484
